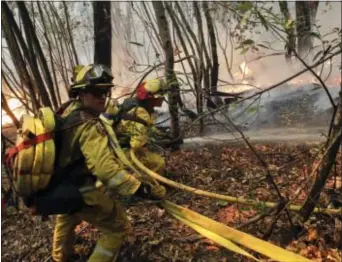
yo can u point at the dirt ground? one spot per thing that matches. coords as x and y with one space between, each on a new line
223 169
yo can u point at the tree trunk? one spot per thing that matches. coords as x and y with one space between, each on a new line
63 33
14 81
56 90
305 16
199 66
188 28
291 38
152 24
202 45
154 42
206 69
170 76
102 33
215 65
66 12
58 46
189 34
172 15
328 161
30 33
11 29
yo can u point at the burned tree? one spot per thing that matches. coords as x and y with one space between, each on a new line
102 33
35 50
291 38
305 16
170 76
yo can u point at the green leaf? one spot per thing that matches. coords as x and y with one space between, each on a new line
252 195
315 34
244 6
263 46
233 106
244 18
248 42
289 24
135 43
171 83
253 109
244 51
222 203
261 207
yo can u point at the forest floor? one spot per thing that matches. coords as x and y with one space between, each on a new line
222 168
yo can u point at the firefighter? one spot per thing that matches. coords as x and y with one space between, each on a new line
136 133
84 149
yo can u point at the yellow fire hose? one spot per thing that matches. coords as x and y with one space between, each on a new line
217 232
115 145
231 199
215 237
227 236
222 234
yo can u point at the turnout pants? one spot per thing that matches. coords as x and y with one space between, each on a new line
102 212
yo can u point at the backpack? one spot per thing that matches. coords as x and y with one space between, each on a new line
32 158
31 161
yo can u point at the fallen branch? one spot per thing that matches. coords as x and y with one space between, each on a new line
280 208
257 218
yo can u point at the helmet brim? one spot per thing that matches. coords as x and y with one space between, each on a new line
104 85
84 86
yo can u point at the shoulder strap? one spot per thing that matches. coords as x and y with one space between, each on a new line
61 109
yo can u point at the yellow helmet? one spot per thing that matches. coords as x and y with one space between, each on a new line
151 89
76 69
92 76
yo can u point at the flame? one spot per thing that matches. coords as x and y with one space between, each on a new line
16 107
334 81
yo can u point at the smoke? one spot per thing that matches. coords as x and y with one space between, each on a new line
130 62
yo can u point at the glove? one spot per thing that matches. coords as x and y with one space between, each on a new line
147 191
158 191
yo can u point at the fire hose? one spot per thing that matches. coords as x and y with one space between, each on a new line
222 234
219 233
